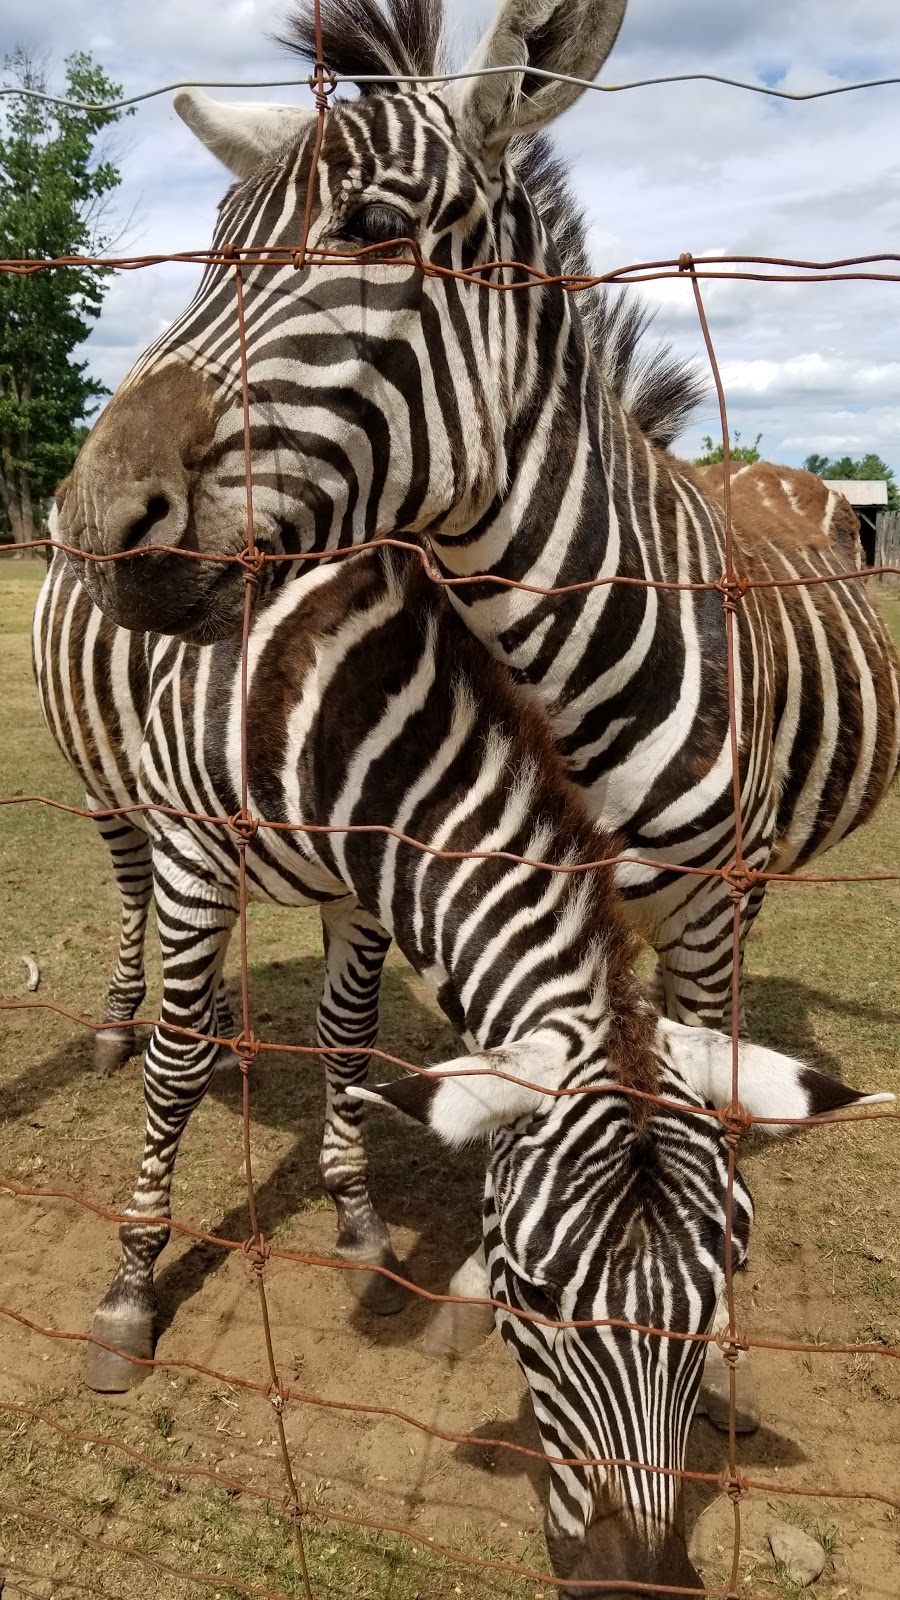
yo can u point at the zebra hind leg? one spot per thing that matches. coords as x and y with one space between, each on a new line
129 849
692 982
194 924
355 949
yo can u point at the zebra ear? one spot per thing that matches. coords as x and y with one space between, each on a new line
769 1084
469 1099
240 134
569 36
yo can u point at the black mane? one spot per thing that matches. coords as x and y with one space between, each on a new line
364 37
360 37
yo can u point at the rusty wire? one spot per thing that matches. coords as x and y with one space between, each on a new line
735 1121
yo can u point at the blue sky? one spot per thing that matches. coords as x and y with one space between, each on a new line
659 171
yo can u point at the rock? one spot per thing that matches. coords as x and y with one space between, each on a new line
801 1555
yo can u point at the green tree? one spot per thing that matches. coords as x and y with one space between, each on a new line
869 467
716 452
55 184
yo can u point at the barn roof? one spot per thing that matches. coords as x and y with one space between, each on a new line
861 491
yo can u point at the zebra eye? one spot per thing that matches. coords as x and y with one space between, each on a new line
376 224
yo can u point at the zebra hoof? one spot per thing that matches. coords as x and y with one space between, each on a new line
456 1330
372 1290
714 1400
112 1049
107 1371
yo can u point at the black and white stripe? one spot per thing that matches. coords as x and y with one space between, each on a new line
522 433
368 701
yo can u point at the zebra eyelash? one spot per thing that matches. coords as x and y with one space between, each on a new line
375 222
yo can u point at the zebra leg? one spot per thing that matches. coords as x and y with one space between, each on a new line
714 1399
226 1028
456 1330
355 948
692 981
195 919
693 985
129 849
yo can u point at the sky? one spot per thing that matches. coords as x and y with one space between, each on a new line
659 170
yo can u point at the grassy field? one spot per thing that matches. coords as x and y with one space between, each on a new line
824 983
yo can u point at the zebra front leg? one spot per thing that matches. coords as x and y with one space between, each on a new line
129 849
226 1028
195 922
355 948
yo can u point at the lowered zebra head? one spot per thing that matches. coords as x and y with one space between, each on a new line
597 1215
382 399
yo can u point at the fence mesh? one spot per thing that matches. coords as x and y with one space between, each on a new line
250 1047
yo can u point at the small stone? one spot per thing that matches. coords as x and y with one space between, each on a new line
801 1555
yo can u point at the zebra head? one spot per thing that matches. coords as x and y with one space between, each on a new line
597 1217
382 399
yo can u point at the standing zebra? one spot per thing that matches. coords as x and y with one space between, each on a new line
368 701
491 423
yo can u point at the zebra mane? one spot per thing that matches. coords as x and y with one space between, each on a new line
659 390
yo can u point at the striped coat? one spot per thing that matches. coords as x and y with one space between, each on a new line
369 702
523 435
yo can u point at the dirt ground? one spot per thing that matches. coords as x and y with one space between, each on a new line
825 1265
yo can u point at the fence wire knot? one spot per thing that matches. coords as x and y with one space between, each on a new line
252 562
245 825
733 1343
275 1394
246 1047
293 1508
685 262
736 1122
732 1485
732 589
740 877
323 83
256 1252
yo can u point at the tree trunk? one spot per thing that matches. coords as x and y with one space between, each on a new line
21 517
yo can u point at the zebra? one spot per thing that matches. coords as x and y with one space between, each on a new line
519 435
369 701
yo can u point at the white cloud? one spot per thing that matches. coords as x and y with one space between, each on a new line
697 167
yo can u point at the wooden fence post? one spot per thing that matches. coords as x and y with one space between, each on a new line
887 544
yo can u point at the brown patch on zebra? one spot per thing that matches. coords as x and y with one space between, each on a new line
797 508
789 524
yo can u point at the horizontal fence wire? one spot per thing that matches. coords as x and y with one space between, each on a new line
733 587
435 80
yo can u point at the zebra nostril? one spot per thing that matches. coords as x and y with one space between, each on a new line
158 509
136 520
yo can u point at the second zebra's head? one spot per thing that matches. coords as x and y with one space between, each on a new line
595 1218
382 399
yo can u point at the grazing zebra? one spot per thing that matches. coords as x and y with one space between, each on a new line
490 423
368 701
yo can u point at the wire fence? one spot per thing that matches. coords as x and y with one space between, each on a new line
250 1047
